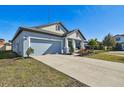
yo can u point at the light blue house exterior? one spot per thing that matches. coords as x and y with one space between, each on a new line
120 40
46 39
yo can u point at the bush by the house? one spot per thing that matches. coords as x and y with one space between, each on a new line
29 51
83 52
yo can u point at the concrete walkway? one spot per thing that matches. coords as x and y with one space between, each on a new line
92 72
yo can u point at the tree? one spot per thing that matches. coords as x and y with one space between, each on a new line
93 43
29 51
109 42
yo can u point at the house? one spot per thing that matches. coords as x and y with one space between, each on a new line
4 46
2 42
52 38
120 41
7 46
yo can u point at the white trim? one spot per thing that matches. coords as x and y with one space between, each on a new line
48 40
45 38
75 38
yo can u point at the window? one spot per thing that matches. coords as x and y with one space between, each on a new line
77 34
57 28
117 38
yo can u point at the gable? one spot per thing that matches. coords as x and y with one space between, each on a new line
75 35
119 38
58 28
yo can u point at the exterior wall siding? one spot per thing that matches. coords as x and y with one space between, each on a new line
53 29
17 45
121 39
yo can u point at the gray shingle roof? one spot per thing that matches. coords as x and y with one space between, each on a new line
36 29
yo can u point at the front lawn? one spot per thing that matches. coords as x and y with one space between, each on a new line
18 72
107 57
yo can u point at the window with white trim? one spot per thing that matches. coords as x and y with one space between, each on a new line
117 38
57 27
77 34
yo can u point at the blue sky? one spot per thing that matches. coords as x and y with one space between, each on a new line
93 21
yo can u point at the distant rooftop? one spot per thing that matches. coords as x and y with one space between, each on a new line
119 35
2 39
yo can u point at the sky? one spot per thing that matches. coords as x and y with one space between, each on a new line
93 21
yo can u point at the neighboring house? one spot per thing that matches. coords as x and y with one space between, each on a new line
46 39
2 42
4 46
7 46
120 40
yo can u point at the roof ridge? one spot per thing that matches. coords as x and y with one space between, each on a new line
44 25
119 35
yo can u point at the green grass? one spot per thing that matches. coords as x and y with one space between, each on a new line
107 57
98 51
27 72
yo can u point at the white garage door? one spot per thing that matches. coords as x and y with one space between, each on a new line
42 47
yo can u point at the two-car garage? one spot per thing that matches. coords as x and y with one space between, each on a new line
45 46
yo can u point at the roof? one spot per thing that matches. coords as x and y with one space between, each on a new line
35 29
50 25
20 29
119 35
2 39
75 30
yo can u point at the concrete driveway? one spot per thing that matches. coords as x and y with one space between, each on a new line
92 72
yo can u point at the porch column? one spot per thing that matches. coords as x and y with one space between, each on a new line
66 46
82 45
74 44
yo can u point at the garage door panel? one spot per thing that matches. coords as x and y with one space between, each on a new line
54 48
42 47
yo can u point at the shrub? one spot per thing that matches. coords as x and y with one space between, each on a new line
29 51
83 52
